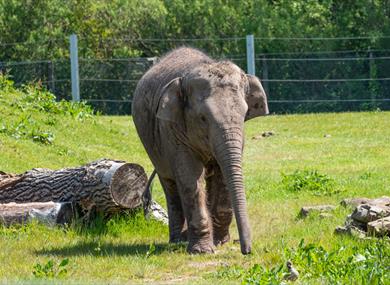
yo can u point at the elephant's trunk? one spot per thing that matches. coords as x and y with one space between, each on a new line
229 155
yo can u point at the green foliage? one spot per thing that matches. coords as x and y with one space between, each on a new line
26 106
35 97
27 128
122 29
45 25
258 275
367 264
234 272
51 270
255 275
309 180
5 83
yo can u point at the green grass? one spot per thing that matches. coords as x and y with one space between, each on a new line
356 157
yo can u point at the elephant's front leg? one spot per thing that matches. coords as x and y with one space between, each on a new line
219 204
190 181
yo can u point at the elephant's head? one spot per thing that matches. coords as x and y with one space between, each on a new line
210 104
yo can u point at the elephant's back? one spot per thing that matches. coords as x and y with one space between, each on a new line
174 64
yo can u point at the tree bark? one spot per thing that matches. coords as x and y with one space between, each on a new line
105 186
50 213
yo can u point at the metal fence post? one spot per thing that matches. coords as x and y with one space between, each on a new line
74 67
250 54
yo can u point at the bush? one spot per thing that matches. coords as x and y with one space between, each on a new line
22 109
27 128
38 98
309 180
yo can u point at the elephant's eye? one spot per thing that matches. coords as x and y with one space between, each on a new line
203 118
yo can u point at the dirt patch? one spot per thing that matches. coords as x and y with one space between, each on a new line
265 134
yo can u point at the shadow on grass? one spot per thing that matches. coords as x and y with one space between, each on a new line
110 249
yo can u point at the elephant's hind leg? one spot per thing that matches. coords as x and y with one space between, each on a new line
177 225
219 204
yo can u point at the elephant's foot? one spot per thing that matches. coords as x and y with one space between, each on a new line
220 239
197 248
182 237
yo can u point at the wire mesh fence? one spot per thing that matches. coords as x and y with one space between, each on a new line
295 81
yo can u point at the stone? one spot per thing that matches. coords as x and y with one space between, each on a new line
367 213
379 227
382 201
370 217
354 202
307 210
350 230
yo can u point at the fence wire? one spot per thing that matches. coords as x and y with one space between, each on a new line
306 81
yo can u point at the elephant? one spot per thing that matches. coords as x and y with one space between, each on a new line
189 112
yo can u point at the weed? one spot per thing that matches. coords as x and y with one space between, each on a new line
36 97
230 272
50 269
366 175
309 180
27 128
151 250
258 274
255 275
367 264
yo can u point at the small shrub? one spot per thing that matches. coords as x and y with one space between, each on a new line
27 128
36 97
309 180
258 275
5 82
366 264
50 269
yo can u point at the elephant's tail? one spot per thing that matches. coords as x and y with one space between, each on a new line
147 196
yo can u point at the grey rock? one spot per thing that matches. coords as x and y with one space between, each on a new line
367 212
307 210
379 227
371 216
354 202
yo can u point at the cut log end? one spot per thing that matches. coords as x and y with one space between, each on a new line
128 184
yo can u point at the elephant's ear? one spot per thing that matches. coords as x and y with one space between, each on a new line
256 99
170 107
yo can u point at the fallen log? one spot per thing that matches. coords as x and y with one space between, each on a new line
103 186
49 213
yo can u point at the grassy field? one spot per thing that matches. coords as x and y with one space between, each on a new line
355 155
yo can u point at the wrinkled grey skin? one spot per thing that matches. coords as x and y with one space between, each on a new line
189 111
